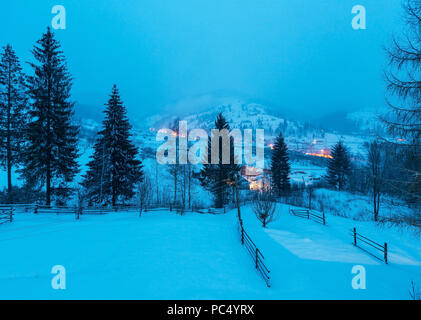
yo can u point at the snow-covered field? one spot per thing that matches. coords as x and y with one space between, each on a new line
198 256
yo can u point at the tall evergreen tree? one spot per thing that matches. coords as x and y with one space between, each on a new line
339 166
51 146
217 177
113 170
13 111
280 166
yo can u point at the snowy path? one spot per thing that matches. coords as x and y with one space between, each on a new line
165 256
312 261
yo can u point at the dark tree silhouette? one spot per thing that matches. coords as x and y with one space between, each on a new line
219 177
113 170
51 136
280 167
339 167
13 112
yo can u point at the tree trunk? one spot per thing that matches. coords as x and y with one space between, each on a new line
48 184
48 173
175 186
8 142
48 149
237 198
9 147
156 182
114 199
190 177
184 186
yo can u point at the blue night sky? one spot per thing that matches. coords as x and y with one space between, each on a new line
301 54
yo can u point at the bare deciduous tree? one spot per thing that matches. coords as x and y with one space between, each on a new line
376 168
264 207
145 193
404 86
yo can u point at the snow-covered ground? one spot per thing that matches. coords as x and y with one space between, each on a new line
198 256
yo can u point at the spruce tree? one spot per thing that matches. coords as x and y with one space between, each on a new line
218 177
113 170
280 167
339 166
13 112
51 147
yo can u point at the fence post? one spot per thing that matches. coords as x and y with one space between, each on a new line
308 214
242 233
355 236
385 252
11 214
324 218
257 257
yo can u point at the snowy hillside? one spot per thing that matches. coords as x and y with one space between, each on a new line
367 120
198 256
240 114
300 137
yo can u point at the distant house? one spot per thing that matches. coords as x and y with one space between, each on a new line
258 179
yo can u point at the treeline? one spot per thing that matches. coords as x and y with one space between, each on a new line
392 165
39 137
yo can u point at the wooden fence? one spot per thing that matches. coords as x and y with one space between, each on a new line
210 210
255 253
310 215
6 214
358 238
54 209
19 206
38 208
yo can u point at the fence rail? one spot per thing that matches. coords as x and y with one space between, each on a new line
255 253
360 238
54 209
39 208
211 210
6 214
18 206
310 215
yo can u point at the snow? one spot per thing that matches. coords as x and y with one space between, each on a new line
162 255
358 206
